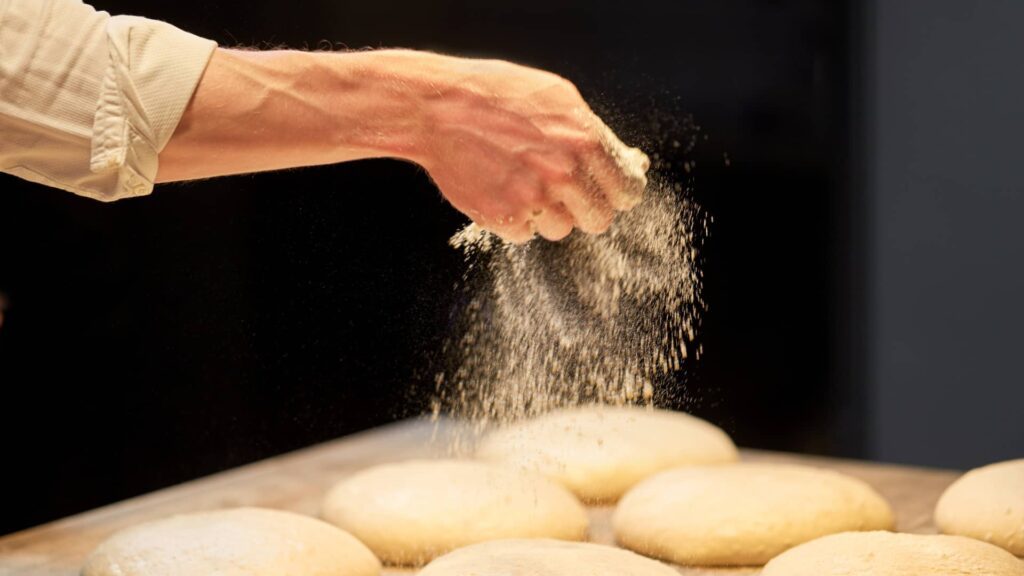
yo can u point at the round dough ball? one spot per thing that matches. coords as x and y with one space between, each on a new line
410 512
544 558
988 504
236 542
888 554
600 452
744 514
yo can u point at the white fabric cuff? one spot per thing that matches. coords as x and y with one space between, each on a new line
152 72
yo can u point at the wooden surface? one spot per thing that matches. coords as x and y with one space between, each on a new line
298 480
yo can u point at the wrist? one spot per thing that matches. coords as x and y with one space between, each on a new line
396 95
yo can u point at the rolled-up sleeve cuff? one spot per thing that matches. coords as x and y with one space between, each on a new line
152 72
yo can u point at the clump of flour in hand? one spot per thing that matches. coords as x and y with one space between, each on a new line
591 319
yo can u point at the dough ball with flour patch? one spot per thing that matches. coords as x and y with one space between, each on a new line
888 554
600 452
742 514
544 558
235 542
410 512
988 504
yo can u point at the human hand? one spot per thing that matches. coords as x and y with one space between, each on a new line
520 152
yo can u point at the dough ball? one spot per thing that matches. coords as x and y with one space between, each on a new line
544 558
743 514
236 542
600 452
988 504
888 554
410 512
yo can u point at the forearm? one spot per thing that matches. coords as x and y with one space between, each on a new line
257 111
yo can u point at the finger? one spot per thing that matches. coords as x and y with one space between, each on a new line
619 171
590 210
531 202
508 228
516 233
556 169
554 222
570 180
506 214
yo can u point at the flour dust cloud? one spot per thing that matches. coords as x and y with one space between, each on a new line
591 319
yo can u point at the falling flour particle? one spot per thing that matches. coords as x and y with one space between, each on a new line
591 319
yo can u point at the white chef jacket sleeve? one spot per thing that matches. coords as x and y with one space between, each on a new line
87 100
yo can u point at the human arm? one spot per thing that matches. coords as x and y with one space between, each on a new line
105 106
514 148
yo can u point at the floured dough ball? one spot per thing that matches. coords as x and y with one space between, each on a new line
600 452
988 504
410 512
888 554
544 558
236 542
744 514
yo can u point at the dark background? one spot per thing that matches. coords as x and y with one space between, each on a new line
155 340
